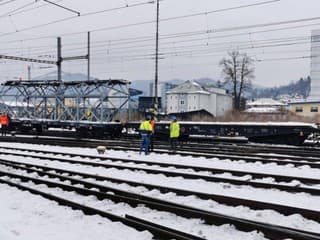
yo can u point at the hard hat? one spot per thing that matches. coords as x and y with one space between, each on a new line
173 118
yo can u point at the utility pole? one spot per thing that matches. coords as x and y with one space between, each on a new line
88 56
156 103
59 60
29 72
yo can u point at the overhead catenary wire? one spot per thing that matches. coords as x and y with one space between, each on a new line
169 36
207 45
197 52
16 12
7 14
133 24
80 16
206 51
63 7
273 41
6 2
174 54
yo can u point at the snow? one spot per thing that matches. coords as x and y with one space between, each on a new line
27 216
266 102
25 202
262 110
249 123
192 226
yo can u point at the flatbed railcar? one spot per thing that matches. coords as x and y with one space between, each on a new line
67 128
291 133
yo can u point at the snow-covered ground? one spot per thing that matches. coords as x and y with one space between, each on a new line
194 226
26 216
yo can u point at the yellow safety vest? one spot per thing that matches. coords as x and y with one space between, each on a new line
145 126
174 130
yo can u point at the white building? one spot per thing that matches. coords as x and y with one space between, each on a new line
265 105
315 66
190 96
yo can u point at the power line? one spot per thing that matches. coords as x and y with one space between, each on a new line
31 9
19 8
220 10
182 34
206 45
135 24
178 35
60 6
4 3
281 59
82 15
203 52
196 47
148 57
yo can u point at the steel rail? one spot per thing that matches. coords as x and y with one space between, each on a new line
313 191
205 142
157 230
229 156
277 177
296 153
231 201
270 230
241 150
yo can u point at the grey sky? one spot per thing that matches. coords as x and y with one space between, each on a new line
184 56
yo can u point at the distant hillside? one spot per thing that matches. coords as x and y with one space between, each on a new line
64 75
298 88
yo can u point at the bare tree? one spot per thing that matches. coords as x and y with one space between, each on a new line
238 69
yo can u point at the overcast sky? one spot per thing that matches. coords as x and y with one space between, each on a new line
190 47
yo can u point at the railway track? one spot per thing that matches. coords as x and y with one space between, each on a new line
213 147
163 232
165 170
292 156
231 201
168 169
159 231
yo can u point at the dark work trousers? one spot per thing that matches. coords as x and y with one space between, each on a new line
145 141
173 143
151 137
4 129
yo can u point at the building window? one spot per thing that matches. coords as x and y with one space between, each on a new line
182 102
299 109
314 109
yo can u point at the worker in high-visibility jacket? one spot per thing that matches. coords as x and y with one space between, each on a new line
145 131
174 132
4 121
